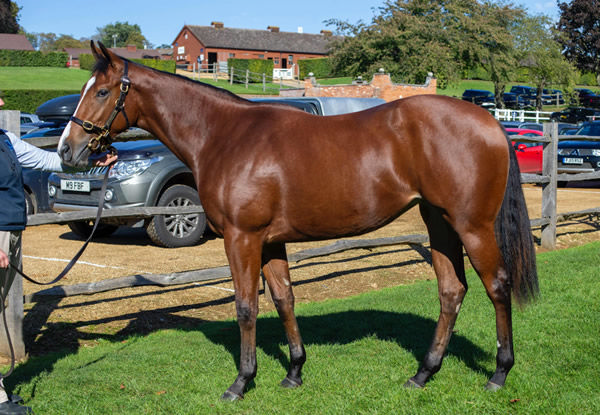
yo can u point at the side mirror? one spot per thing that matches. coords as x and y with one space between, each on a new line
521 147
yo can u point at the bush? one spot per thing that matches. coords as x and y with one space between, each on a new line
33 58
87 61
320 67
587 79
257 68
27 100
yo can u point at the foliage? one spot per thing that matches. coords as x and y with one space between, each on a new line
86 61
121 34
161 65
32 58
410 38
320 67
27 100
361 350
257 68
9 17
587 79
542 56
580 33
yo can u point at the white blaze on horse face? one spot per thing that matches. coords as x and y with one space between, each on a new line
67 129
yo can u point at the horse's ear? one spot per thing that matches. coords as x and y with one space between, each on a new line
105 52
94 50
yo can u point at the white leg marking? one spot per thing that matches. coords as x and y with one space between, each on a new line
67 129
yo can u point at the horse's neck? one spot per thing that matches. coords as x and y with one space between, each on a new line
183 115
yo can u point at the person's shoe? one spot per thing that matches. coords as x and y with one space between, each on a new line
11 408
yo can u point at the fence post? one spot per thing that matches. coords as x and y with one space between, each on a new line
247 76
231 76
11 121
215 71
548 239
264 82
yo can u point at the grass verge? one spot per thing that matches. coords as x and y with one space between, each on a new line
360 352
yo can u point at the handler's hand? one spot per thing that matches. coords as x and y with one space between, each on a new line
3 259
105 160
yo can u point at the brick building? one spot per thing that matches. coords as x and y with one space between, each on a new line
216 44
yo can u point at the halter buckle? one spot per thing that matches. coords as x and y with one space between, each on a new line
88 126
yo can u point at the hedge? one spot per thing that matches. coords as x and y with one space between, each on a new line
320 67
87 61
257 68
33 58
27 100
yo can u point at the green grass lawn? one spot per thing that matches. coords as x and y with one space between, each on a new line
42 78
360 352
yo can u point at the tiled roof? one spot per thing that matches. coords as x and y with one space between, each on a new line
14 42
250 39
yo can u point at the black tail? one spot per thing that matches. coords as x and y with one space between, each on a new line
513 234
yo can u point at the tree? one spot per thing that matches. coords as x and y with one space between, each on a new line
410 38
119 34
541 55
67 41
580 33
9 17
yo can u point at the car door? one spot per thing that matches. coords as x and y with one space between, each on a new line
529 155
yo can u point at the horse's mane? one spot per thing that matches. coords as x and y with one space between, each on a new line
102 65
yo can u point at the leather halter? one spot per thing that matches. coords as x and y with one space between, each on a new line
102 141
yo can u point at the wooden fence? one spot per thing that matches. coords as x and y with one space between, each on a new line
548 221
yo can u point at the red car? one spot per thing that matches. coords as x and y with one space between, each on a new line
529 154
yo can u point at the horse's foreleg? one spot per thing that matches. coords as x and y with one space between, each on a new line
276 271
244 252
486 259
447 257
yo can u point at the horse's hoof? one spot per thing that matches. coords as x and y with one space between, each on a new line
290 383
411 384
231 396
492 387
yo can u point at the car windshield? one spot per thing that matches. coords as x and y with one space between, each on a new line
589 129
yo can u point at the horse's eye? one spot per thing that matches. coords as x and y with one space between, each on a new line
102 93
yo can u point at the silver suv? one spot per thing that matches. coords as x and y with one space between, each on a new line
146 174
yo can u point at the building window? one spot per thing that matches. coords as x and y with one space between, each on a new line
232 55
185 36
290 58
261 56
276 61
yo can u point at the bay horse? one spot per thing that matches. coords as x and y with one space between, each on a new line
268 174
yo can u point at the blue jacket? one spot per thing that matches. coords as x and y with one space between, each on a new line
15 153
13 212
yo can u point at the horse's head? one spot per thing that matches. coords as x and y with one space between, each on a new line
101 112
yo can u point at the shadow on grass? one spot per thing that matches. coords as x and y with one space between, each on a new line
411 332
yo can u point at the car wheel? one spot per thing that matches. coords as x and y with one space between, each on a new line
29 203
84 229
173 231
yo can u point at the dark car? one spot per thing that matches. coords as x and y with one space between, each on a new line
587 97
529 93
514 101
577 156
575 115
479 97
556 96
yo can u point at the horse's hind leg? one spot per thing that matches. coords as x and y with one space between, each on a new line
447 257
276 271
483 251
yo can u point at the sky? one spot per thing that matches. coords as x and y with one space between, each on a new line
161 21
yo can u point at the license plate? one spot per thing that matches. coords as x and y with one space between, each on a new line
572 160
75 185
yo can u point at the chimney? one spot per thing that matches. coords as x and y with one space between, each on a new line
273 29
131 48
326 32
217 25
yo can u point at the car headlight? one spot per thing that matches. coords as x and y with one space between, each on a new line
125 168
596 152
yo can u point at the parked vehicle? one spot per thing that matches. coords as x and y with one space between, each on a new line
575 115
580 156
529 93
588 98
529 154
514 101
148 174
556 96
522 125
480 97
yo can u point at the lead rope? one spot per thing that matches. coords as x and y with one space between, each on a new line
55 280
